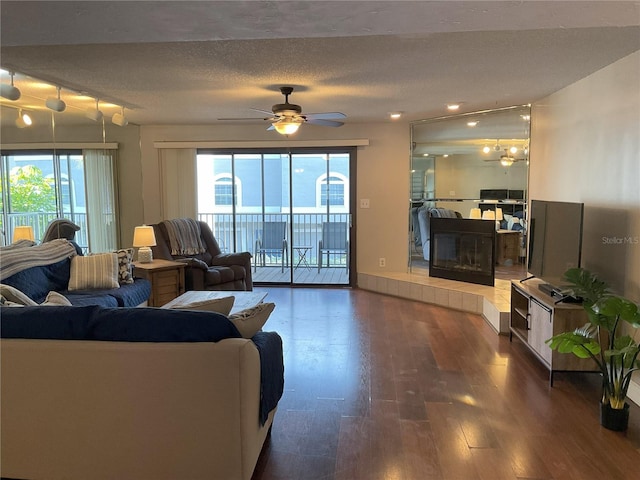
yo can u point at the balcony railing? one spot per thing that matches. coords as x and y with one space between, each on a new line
239 232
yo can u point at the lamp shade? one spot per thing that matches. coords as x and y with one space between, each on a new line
144 237
9 92
23 232
499 215
475 214
488 215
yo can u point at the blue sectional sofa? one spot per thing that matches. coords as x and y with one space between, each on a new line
37 282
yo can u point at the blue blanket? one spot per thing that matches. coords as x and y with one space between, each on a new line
269 346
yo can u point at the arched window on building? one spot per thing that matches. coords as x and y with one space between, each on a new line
332 190
227 192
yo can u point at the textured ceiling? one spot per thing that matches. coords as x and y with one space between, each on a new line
195 62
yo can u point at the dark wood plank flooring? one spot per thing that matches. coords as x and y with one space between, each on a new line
378 387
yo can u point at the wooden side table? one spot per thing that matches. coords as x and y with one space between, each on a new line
507 247
166 277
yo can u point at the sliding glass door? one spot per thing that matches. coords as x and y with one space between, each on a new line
291 210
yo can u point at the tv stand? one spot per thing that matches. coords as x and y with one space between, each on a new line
548 289
536 316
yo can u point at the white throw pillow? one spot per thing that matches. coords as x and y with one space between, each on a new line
250 321
55 299
94 271
220 305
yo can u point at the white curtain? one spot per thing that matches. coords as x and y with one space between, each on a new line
178 182
101 193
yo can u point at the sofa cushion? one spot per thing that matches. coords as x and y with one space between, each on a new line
115 324
94 271
251 320
217 275
83 298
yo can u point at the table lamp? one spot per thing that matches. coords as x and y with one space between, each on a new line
143 238
23 232
475 214
488 215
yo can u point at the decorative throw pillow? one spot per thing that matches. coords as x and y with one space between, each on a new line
94 271
220 305
251 320
125 265
55 299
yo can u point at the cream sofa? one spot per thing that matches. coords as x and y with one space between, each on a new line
91 410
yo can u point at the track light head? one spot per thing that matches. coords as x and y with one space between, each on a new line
23 120
94 114
56 104
10 92
119 119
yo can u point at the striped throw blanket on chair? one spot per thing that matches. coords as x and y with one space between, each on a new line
184 236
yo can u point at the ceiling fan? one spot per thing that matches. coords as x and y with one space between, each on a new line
506 159
287 117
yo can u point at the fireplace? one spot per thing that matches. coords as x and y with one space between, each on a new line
462 249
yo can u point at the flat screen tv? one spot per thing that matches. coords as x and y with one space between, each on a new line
555 240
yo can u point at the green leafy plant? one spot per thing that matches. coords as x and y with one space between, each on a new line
615 353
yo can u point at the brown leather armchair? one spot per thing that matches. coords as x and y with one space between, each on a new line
211 270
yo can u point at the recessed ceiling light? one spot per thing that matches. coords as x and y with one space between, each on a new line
453 106
472 123
445 155
425 154
395 115
513 149
486 149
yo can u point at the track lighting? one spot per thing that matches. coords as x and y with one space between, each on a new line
119 119
9 91
486 149
94 114
56 104
23 120
287 126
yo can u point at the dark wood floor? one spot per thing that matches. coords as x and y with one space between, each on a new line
378 387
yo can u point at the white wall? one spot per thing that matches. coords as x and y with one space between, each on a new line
382 176
585 147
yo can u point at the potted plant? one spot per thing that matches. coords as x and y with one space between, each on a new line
602 339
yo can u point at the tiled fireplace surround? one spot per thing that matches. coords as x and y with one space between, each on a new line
493 303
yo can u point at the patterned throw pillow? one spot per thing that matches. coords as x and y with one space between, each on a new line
251 320
125 265
94 271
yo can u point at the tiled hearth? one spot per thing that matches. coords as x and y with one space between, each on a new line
493 303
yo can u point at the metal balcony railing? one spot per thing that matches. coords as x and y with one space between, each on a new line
239 233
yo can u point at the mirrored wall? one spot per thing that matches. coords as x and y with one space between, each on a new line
472 165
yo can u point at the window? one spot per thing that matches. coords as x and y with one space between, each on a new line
224 193
39 186
332 190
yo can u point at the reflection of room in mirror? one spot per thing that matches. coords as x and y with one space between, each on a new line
471 161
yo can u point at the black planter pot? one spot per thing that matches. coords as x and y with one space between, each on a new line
614 419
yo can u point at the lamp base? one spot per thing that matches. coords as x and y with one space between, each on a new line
145 255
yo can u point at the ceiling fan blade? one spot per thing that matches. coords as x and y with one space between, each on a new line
262 111
242 118
324 116
324 123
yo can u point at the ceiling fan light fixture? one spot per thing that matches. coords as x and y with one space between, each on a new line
9 91
287 126
23 120
55 103
506 161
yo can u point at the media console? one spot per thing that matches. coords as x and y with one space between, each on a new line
536 316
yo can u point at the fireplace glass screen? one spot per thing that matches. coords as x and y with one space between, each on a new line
463 250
